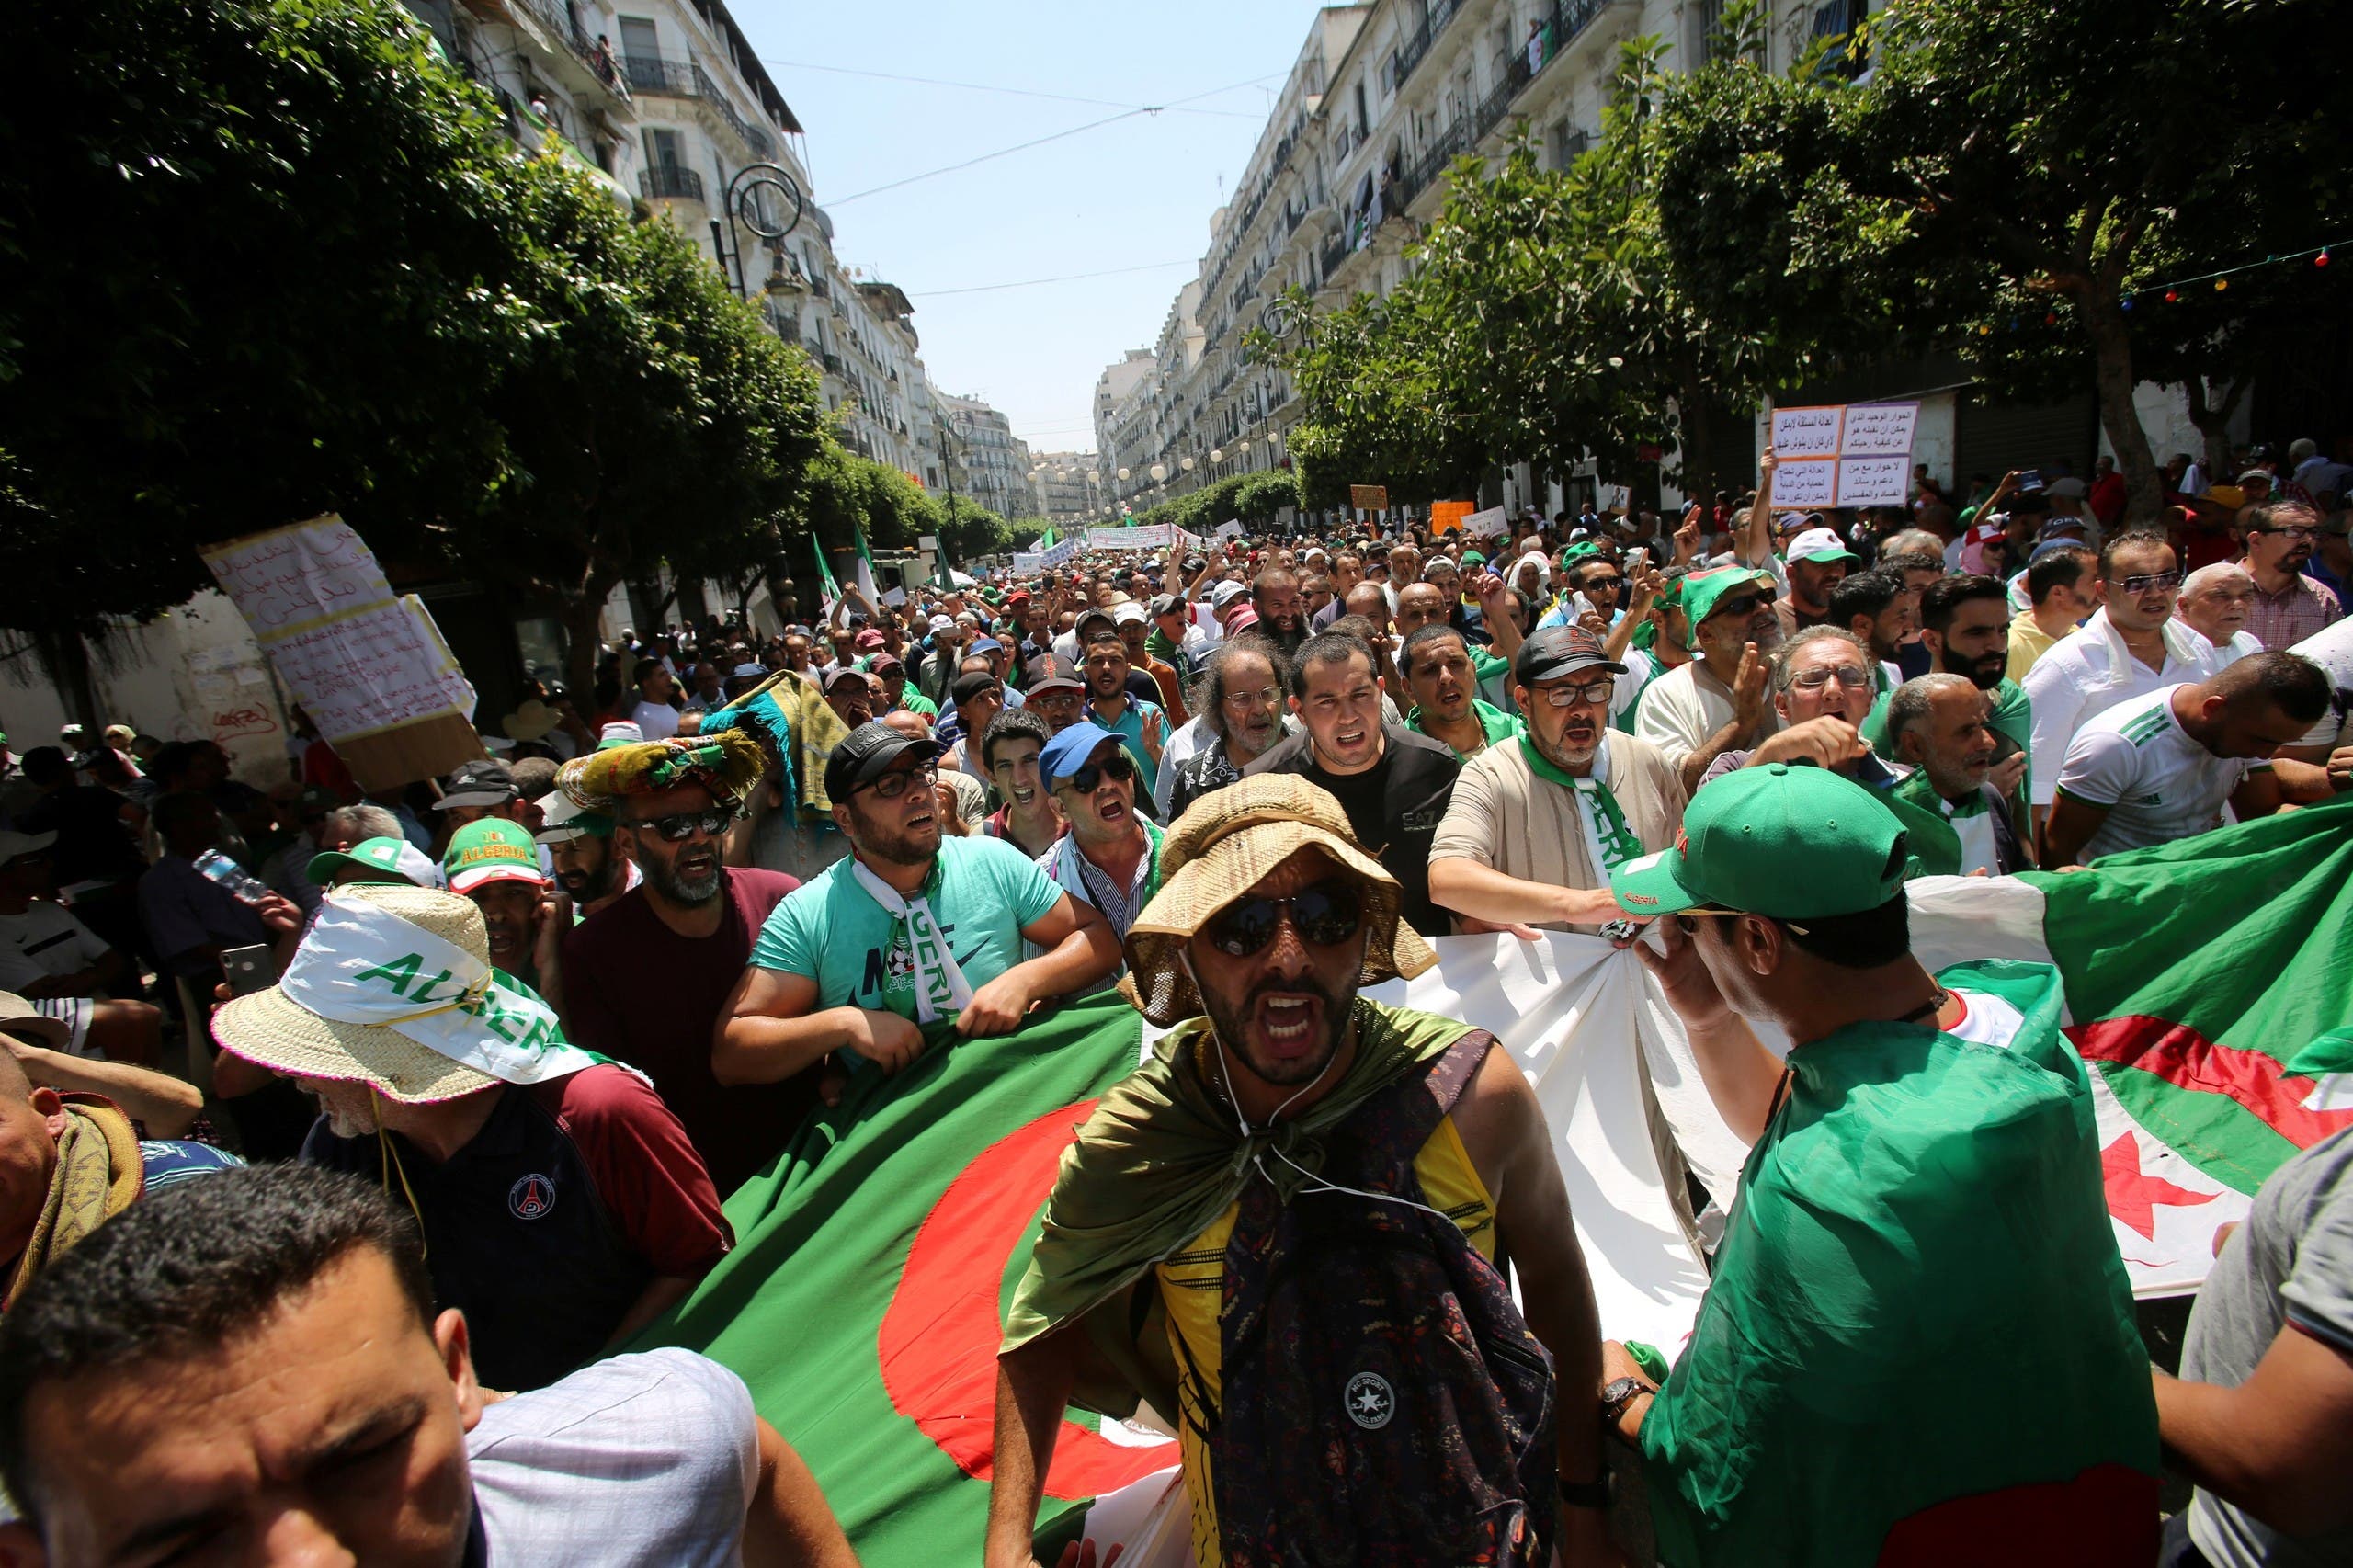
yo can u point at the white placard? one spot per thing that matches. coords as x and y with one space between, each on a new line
1806 433
1144 536
1807 486
1877 430
1867 481
358 659
1492 523
1230 528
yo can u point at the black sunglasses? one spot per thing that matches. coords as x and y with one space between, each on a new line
1324 916
1086 779
679 826
1745 604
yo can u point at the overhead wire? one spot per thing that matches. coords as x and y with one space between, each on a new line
1035 282
1009 92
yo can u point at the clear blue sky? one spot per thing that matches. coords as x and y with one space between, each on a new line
1140 190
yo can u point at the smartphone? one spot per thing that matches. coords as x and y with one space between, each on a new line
249 970
2030 480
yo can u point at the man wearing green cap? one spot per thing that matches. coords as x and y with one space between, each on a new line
1816 562
1718 702
1918 1331
1659 640
494 863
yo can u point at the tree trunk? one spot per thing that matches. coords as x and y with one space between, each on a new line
2112 369
582 614
66 659
2213 422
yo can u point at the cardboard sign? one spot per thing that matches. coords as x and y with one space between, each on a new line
1368 497
1842 454
1446 517
1492 523
1871 482
1808 486
369 668
1878 429
1230 528
1806 433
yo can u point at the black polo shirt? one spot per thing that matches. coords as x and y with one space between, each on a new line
1393 807
549 1223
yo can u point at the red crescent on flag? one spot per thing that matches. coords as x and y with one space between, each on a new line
938 1339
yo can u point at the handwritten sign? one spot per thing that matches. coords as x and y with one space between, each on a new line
1805 432
1146 536
1368 497
359 660
1869 482
1877 430
1446 517
1230 528
1492 523
1807 486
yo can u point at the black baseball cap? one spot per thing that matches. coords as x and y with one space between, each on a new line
485 783
1052 672
1558 651
866 753
971 684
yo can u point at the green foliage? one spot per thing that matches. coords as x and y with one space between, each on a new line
1024 533
1252 497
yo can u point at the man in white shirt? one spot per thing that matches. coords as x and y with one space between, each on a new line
654 716
2214 604
2158 768
252 1364
1719 701
2332 650
2130 647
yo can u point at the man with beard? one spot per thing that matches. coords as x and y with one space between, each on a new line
580 844
1240 719
1112 703
1816 563
651 973
1282 611
1660 642
1941 727
849 694
1402 1148
976 697
1878 609
1393 784
913 929
563 1206
1543 818
2289 605
1030 820
1109 860
1057 691
494 863
1445 687
1133 626
1716 702
1964 625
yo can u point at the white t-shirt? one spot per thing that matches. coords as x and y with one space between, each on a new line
2071 682
42 943
2158 784
2332 649
658 720
1680 713
641 1459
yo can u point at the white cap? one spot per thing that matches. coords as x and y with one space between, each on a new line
1227 592
1128 611
14 844
1819 544
941 622
621 730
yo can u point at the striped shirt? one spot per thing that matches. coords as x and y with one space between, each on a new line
2295 612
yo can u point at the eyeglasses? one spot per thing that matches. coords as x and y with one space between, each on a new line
1595 692
1266 696
1852 677
1324 916
896 782
2295 531
1116 767
1608 584
1746 604
2147 582
680 826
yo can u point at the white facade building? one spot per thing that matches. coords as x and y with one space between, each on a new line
1067 488
992 463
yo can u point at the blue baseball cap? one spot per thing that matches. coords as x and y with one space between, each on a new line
982 646
1068 751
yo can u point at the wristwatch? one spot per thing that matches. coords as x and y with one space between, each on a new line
1596 1494
1618 1394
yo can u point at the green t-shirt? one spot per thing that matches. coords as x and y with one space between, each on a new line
983 891
1498 724
915 701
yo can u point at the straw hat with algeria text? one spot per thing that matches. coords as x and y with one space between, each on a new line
1219 850
270 1029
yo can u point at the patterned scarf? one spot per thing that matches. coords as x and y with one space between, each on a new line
98 1174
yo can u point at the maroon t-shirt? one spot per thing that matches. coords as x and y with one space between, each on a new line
636 990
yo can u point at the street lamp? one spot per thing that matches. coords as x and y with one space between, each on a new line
1186 464
1159 472
742 206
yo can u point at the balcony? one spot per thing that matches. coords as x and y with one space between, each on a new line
1422 171
1412 53
667 182
554 15
663 78
1335 250
833 363
761 144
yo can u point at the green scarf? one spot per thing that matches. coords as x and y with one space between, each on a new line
1936 847
1162 1158
1494 722
1618 842
1157 645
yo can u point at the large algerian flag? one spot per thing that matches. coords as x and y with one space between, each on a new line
865 584
1048 540
873 1261
831 590
2196 973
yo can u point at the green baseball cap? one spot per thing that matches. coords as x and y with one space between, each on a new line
1702 590
491 850
1473 558
376 860
1584 550
1792 843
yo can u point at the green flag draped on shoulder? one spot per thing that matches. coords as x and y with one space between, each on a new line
862 1303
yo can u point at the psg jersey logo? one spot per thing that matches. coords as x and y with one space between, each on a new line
531 1198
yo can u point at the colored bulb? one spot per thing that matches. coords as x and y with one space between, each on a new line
2320 260
2220 284
2172 296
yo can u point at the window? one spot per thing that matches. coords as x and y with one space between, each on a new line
639 38
663 149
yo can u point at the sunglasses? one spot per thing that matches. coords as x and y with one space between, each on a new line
682 825
1745 604
1116 767
2146 582
1595 692
896 783
1324 916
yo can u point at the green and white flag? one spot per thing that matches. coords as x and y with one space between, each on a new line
866 582
831 589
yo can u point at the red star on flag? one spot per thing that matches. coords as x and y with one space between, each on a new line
2134 1195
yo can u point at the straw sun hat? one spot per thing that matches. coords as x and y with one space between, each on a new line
270 1029
1220 849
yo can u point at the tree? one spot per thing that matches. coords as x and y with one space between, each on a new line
255 259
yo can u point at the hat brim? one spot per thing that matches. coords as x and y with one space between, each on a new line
1825 555
271 1030
505 872
1227 870
40 1028
1653 885
466 799
518 727
1058 683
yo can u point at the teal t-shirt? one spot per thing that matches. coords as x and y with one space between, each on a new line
983 891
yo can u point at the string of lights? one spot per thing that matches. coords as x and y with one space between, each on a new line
2318 255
